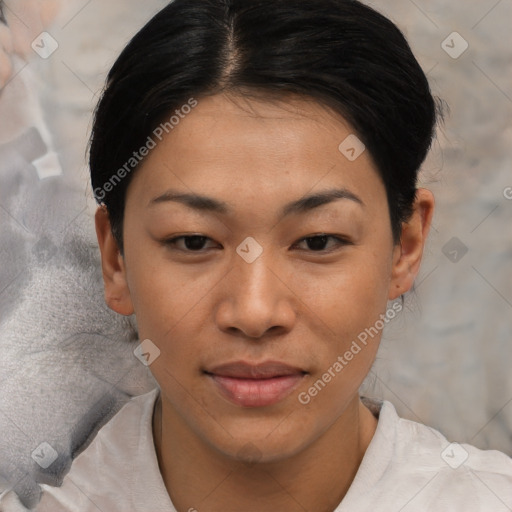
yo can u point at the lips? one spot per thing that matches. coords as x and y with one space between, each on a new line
243 370
255 385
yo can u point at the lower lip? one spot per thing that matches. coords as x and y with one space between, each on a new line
256 392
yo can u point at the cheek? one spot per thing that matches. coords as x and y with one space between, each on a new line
350 304
173 305
158 295
347 297
165 300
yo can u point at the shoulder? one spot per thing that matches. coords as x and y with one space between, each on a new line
412 466
104 475
427 445
478 479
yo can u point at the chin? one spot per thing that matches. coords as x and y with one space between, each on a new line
253 446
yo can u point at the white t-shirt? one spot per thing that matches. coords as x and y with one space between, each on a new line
408 467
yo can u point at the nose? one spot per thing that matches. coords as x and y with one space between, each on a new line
256 298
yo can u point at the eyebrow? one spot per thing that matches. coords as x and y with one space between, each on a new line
300 206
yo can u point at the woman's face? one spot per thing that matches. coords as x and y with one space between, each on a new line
254 290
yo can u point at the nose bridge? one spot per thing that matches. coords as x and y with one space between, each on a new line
256 299
253 273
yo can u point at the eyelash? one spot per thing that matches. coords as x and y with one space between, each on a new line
341 241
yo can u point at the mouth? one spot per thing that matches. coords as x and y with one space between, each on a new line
255 385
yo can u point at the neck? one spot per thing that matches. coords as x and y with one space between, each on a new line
317 478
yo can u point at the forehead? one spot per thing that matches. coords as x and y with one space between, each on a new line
239 147
298 120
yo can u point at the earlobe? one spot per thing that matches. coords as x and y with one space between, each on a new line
408 254
117 293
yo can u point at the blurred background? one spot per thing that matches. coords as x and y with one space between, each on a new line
446 359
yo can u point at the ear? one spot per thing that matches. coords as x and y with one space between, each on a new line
117 293
407 255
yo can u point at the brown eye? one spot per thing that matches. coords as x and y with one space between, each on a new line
317 243
192 243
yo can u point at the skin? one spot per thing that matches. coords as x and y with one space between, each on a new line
294 303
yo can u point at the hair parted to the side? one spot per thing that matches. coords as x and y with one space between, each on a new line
340 53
